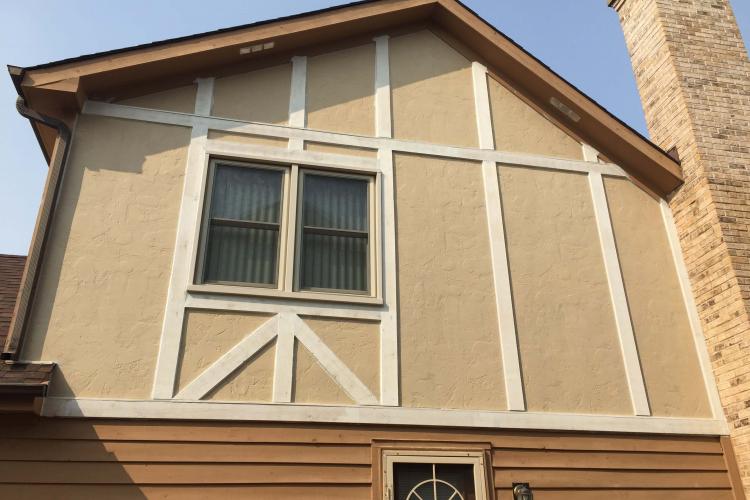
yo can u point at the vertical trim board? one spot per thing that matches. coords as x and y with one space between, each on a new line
629 349
383 127
717 409
184 250
506 322
389 355
283 371
482 106
297 98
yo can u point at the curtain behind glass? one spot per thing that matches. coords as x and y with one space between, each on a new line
335 239
243 233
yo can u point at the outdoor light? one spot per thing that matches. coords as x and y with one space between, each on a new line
521 491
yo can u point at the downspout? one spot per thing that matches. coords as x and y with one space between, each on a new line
41 232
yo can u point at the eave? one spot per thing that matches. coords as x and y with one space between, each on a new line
58 89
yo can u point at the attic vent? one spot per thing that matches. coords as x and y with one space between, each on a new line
256 48
564 109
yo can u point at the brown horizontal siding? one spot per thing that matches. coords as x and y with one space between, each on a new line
76 458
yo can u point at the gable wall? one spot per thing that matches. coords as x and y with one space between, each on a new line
452 343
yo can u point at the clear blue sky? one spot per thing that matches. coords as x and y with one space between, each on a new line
580 39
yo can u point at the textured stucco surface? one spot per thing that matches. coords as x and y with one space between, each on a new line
668 358
312 384
341 91
260 96
208 335
320 147
103 283
567 338
449 346
356 343
432 91
248 139
520 128
181 99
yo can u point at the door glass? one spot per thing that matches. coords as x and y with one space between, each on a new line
433 481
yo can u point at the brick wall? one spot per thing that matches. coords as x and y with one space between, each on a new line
693 73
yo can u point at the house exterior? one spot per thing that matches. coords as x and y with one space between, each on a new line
375 251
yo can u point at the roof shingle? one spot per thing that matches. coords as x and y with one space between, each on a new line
11 270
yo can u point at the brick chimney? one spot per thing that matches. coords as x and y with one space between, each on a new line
693 74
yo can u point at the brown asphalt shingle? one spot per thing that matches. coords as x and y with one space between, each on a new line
11 269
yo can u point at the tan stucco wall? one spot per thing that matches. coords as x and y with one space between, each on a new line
320 147
103 284
248 139
518 127
208 335
567 338
311 382
668 358
180 99
432 92
449 346
341 91
259 96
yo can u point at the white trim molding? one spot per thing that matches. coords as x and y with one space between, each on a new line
289 132
506 322
628 347
383 127
717 410
210 410
297 99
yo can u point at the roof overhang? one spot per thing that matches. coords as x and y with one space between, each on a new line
58 89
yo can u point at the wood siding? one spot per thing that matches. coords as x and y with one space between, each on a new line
59 458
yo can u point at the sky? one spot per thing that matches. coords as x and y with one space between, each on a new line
579 39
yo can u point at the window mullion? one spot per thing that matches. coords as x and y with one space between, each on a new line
291 261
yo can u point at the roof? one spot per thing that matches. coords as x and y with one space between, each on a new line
60 86
11 270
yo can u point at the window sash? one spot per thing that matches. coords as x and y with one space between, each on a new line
303 229
390 458
213 222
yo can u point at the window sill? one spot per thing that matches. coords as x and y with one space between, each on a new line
283 294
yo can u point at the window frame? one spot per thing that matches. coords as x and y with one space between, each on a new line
287 268
475 457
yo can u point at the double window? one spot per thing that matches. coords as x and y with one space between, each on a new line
288 228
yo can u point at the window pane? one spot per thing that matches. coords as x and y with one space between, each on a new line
238 254
334 262
248 194
407 476
335 202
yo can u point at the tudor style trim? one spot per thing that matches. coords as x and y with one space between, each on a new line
383 127
297 99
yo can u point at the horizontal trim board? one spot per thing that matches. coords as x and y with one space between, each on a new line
217 302
199 410
217 147
287 132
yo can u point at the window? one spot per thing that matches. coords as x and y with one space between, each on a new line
334 233
290 229
434 475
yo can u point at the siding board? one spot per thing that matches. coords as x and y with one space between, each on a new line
77 458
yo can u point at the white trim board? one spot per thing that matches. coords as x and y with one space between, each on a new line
297 99
712 390
629 350
287 132
382 87
204 410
